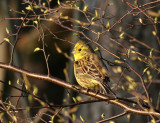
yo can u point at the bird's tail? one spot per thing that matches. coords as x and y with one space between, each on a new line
107 89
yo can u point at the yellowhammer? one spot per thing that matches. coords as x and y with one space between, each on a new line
89 70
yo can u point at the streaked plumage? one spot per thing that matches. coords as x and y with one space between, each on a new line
89 70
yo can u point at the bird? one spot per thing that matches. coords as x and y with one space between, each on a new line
89 70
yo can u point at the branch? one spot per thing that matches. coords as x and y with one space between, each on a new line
111 118
76 88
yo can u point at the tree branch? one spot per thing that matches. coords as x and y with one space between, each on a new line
76 88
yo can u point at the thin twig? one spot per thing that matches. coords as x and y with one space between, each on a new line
80 90
111 118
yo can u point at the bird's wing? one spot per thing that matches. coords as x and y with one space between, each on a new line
92 66
95 69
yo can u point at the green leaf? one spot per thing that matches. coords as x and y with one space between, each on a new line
30 97
122 35
102 115
35 90
133 58
9 82
123 88
58 1
78 21
7 30
85 8
18 81
28 7
28 108
118 61
79 98
37 49
111 122
154 33
52 118
129 78
14 118
76 34
139 59
96 49
36 22
76 6
6 39
153 121
140 20
82 119
150 53
73 117
1 114
96 13
74 99
108 24
145 69
155 20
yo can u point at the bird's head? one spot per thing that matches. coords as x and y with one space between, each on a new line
81 50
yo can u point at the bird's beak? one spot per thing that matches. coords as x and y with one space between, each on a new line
73 52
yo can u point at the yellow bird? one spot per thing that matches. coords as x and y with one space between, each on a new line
89 70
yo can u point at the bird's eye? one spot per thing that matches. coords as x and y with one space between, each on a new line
79 49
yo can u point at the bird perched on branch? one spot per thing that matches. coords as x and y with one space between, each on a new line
89 70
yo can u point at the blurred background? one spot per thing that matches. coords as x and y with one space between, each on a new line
123 27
